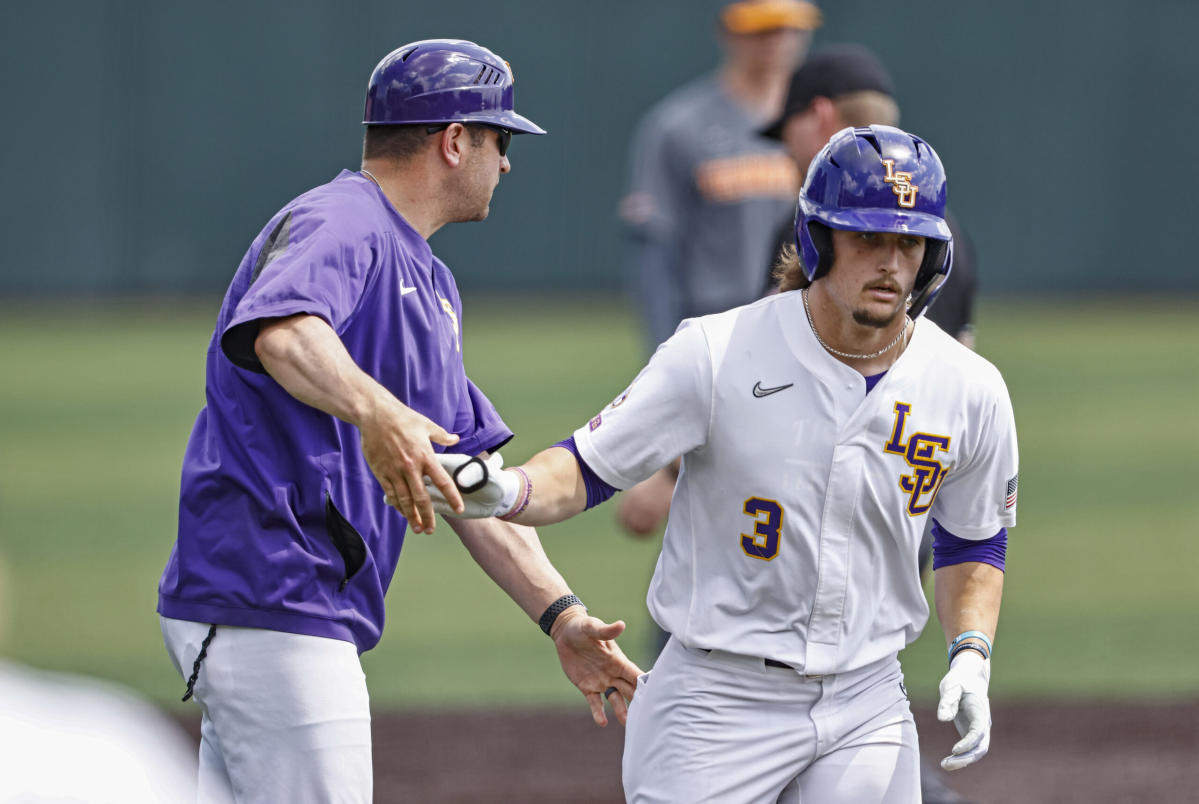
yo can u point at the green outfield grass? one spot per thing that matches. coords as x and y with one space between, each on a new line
1102 590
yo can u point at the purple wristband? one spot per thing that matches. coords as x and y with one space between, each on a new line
524 503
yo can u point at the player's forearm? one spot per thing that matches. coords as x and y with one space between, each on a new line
967 597
555 488
305 356
512 556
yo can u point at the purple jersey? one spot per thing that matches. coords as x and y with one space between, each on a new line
282 525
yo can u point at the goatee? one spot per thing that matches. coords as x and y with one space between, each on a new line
868 319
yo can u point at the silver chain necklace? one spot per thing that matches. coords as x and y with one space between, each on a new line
371 176
850 355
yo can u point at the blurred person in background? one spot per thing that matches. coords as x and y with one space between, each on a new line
705 190
67 737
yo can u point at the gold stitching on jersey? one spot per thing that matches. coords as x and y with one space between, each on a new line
928 473
449 310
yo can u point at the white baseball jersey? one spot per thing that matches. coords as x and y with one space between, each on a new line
796 519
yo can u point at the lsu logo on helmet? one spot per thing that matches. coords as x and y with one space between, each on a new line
901 184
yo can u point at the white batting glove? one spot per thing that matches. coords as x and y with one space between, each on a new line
964 701
487 490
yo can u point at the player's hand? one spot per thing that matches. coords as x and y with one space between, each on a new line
485 488
643 508
397 444
964 701
594 662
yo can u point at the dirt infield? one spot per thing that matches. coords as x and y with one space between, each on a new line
1040 754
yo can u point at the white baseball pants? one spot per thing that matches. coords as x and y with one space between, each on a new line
720 727
286 717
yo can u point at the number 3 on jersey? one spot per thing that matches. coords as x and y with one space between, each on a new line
768 521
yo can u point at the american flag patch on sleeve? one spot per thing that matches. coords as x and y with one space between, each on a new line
1010 500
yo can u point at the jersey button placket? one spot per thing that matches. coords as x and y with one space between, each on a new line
828 607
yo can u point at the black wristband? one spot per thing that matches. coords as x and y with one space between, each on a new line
557 607
975 646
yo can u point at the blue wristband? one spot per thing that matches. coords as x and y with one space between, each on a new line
965 646
979 635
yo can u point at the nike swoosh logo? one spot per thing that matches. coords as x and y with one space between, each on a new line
405 291
760 392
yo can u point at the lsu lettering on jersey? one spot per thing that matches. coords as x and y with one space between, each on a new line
799 509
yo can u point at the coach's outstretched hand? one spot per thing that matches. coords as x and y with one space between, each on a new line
594 662
396 443
964 701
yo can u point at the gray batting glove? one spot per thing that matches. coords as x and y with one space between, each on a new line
964 701
487 490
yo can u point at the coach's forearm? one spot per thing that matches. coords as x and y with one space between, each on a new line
967 597
512 556
304 355
557 489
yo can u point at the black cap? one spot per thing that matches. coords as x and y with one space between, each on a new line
831 72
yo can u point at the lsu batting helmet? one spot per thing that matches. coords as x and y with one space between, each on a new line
443 81
876 179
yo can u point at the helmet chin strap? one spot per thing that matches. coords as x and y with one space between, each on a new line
918 303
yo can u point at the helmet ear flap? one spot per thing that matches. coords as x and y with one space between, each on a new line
822 241
935 254
934 270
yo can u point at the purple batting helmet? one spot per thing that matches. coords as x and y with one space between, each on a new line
443 81
876 179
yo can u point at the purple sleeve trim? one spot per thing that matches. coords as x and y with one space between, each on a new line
949 549
489 440
597 490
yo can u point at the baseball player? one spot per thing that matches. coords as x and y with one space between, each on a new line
705 191
334 374
837 86
819 429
